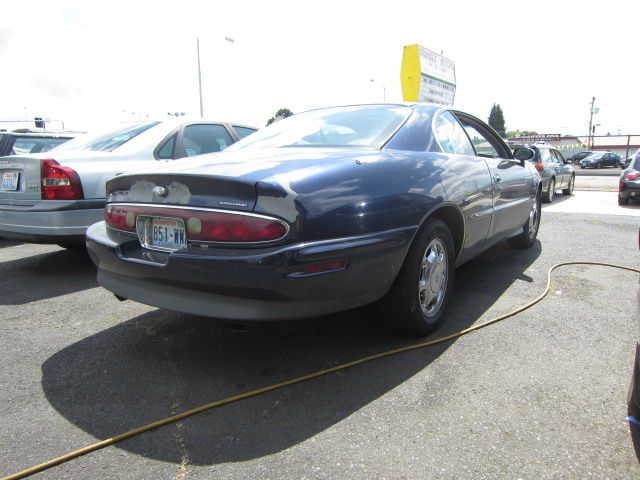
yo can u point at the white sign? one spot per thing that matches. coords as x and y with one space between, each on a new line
438 78
436 91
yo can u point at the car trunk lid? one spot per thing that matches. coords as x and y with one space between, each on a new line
20 177
183 190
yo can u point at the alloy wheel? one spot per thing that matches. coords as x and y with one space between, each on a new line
433 277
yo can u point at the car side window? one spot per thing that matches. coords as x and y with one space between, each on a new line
545 155
166 151
480 143
450 135
485 140
203 138
559 157
244 131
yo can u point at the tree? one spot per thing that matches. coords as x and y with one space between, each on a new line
280 114
496 120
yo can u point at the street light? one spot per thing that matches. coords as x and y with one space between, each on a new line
384 89
228 39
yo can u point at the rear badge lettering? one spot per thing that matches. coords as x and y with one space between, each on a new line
233 204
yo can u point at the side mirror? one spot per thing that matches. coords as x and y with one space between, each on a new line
523 153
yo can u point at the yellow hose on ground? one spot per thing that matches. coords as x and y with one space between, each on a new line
209 406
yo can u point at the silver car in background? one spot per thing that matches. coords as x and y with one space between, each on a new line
53 197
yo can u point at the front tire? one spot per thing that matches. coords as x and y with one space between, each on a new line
530 229
551 191
419 296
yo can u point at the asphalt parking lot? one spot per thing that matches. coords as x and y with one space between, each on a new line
541 396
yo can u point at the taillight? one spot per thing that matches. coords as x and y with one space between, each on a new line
58 182
202 225
225 227
632 175
120 217
539 166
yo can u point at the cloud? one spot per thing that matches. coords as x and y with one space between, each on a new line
55 88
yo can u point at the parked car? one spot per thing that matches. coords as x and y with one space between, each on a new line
575 159
631 158
629 183
25 141
601 159
556 172
53 197
321 212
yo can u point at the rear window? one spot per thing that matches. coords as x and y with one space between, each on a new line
109 140
26 145
363 125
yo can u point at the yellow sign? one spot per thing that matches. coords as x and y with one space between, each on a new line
427 76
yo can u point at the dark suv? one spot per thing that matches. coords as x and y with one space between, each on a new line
25 141
556 172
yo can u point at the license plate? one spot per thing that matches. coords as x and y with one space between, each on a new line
10 181
161 233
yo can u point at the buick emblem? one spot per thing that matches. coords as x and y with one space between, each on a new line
160 191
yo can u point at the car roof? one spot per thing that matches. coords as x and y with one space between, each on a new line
24 132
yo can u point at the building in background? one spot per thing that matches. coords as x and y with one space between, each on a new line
569 145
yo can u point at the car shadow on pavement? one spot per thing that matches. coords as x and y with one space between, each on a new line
5 242
46 275
162 363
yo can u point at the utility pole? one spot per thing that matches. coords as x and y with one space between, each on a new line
590 143
200 77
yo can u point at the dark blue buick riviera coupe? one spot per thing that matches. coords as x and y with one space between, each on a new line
324 211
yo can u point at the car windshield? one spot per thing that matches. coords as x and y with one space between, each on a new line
595 156
108 140
352 126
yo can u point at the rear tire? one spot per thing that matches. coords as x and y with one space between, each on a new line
547 197
530 229
622 200
419 296
569 189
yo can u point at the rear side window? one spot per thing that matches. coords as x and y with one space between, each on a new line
166 151
244 131
451 136
545 155
200 139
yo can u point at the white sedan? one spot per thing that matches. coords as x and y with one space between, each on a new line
53 197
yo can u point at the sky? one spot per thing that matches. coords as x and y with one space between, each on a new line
90 64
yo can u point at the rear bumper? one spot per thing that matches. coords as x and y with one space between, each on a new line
50 221
263 284
629 189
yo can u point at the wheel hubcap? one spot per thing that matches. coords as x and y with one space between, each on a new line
433 278
533 218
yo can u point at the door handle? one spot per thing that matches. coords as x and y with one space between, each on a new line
497 178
